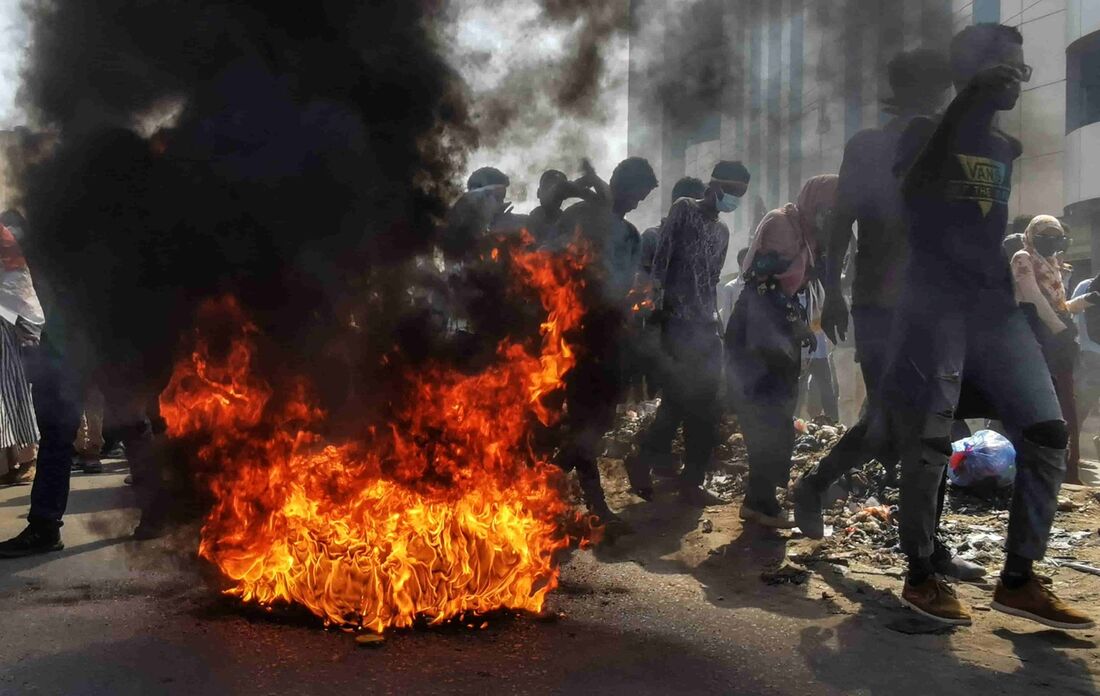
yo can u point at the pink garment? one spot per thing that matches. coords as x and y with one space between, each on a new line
791 232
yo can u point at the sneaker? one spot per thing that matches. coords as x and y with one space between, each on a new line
91 466
767 514
31 541
953 567
1036 601
934 599
807 510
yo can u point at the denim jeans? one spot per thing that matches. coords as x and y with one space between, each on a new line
994 347
57 404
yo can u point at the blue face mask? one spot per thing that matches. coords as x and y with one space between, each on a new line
728 203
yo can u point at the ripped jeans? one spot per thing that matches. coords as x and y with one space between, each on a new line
991 345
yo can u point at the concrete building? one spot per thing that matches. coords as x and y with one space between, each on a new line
783 84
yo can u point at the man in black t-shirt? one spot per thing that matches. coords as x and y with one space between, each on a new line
957 318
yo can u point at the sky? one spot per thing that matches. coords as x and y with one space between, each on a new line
13 37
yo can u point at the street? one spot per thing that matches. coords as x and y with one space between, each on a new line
666 610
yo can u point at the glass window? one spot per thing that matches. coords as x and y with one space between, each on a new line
1083 82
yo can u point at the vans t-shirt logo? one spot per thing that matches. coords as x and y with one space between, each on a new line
984 182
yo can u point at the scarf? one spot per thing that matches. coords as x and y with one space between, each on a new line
1048 271
791 233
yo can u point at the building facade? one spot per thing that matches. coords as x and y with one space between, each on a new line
798 78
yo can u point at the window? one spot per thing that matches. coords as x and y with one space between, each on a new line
1083 82
986 11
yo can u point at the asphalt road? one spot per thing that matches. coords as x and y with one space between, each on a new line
112 616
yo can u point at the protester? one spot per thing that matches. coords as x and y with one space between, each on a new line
594 385
551 195
644 343
1087 373
554 189
21 321
1037 272
691 251
483 209
869 195
958 320
764 339
56 398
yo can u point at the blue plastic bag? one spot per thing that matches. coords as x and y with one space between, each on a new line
986 458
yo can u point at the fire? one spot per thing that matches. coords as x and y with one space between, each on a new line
442 512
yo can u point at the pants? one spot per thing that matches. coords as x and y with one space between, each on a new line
1086 385
818 387
766 396
872 335
693 368
1063 388
994 347
592 390
57 403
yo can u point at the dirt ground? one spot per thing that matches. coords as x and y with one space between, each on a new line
857 571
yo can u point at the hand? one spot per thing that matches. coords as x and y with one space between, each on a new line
834 317
588 173
996 78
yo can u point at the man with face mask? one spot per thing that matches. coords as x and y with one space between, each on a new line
691 251
958 320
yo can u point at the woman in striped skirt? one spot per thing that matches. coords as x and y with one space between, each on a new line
21 321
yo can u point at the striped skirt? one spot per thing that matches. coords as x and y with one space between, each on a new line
17 423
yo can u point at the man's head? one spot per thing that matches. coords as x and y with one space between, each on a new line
551 188
632 180
728 182
688 187
979 47
490 177
741 257
919 80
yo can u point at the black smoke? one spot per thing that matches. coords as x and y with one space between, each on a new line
297 155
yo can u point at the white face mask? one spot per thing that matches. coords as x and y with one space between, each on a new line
728 203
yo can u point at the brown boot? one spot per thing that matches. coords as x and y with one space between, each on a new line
1036 601
935 600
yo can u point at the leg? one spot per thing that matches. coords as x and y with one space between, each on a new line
703 349
1063 388
58 413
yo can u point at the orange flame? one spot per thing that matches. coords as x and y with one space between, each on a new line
444 512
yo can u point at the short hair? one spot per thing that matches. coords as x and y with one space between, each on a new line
741 256
552 174
633 173
971 46
730 170
914 74
487 176
688 187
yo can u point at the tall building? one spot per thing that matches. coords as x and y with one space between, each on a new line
783 84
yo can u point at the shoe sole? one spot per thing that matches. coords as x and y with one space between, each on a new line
1040 620
933 617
